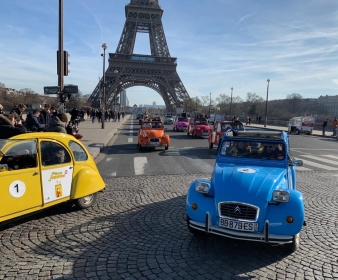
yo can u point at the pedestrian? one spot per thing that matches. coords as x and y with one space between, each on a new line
17 112
93 115
324 126
45 115
334 126
259 119
32 122
9 127
2 109
250 120
118 115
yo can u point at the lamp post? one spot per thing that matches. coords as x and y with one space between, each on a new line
266 103
231 102
210 105
115 93
104 47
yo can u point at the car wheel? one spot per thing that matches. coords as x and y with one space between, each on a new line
188 133
86 201
291 247
166 147
194 134
211 145
297 132
140 147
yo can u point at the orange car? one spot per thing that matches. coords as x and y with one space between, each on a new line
152 134
220 127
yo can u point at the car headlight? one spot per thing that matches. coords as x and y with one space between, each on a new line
281 196
202 187
144 135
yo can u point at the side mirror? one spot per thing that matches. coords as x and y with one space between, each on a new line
297 162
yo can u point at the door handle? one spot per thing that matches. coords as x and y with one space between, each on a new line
36 173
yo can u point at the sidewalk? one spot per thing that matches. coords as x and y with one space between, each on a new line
95 138
284 128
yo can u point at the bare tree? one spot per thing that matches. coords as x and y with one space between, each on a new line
294 103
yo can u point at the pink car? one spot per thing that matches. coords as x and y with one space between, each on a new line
180 124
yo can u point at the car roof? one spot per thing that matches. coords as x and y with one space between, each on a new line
273 135
49 135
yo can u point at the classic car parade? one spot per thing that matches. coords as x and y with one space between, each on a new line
220 127
180 124
39 170
152 135
252 194
198 127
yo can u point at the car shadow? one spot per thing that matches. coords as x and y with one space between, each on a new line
115 240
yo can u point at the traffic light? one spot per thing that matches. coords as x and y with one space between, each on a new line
65 62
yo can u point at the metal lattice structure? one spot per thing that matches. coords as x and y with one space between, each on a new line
156 71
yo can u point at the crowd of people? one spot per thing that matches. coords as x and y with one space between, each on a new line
108 115
46 120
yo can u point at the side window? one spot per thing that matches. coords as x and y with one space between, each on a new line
53 153
78 152
20 155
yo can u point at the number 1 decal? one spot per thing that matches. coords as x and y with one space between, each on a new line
17 189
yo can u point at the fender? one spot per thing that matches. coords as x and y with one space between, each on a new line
86 181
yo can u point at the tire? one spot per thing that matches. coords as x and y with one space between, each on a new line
86 201
140 147
188 132
297 132
292 247
166 147
211 145
194 134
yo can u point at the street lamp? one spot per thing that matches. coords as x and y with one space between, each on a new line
266 103
231 102
115 93
210 105
104 47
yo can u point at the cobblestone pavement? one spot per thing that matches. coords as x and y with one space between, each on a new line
137 230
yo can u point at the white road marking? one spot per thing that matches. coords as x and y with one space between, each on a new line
302 168
330 156
113 166
130 140
139 165
334 162
311 163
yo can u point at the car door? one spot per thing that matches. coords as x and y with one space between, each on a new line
56 171
20 187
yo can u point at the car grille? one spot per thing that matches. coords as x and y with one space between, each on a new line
238 211
206 131
154 140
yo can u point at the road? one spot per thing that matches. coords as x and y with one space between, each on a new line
137 228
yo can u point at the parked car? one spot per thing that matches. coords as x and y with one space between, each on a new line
198 127
180 124
220 127
39 170
252 194
168 120
152 135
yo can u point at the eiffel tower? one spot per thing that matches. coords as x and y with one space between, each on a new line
156 71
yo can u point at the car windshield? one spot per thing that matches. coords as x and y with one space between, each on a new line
182 119
201 122
253 149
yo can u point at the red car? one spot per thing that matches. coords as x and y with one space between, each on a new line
220 127
198 127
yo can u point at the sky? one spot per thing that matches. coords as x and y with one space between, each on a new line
219 44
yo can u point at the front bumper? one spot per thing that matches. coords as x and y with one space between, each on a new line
241 235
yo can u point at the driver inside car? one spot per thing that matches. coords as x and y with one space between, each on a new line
240 148
271 151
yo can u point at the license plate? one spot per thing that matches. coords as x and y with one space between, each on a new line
237 225
205 133
154 143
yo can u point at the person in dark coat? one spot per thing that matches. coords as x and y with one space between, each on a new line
58 123
9 127
45 115
32 122
17 112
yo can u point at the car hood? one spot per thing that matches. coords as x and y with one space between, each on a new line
247 184
154 132
183 123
